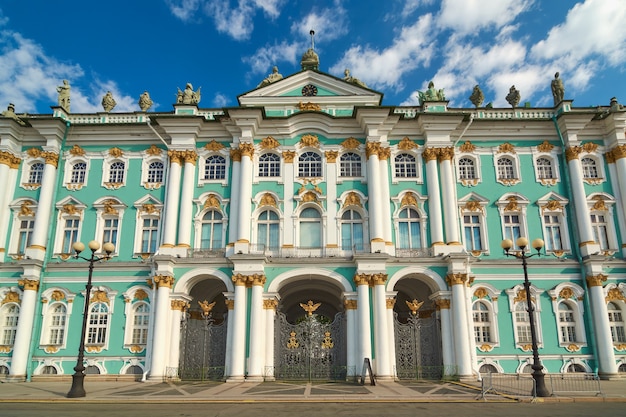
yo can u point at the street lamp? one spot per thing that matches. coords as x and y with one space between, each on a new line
78 378
539 389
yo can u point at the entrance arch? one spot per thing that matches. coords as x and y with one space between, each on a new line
204 330
417 329
310 328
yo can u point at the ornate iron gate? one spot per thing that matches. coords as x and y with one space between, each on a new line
203 349
310 350
418 348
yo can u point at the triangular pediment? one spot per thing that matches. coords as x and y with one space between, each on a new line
326 90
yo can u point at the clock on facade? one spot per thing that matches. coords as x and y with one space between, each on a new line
309 90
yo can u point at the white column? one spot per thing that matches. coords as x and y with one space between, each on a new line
374 201
459 322
390 302
269 305
448 192
235 157
8 168
230 305
185 222
164 285
385 197
172 200
238 345
288 178
601 326
619 154
257 330
245 193
178 309
381 332
434 197
37 249
447 340
332 239
351 337
583 216
363 320
23 335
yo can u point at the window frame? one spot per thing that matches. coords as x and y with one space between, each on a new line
487 295
205 154
268 248
313 166
352 165
8 311
147 208
617 327
474 205
513 205
23 209
515 170
68 209
70 167
322 226
476 166
135 298
602 204
115 165
109 209
53 297
515 301
269 167
27 173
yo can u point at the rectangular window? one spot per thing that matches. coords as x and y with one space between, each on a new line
523 327
600 234
26 231
552 232
472 231
70 235
512 227
110 231
149 235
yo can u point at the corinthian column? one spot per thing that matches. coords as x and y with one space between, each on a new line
448 191
178 309
381 333
460 323
37 249
385 197
257 329
164 285
619 156
269 306
374 192
9 164
435 218
601 326
583 217
238 345
24 332
245 192
235 200
186 199
172 199
362 282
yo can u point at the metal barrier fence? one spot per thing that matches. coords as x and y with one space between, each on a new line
575 383
510 384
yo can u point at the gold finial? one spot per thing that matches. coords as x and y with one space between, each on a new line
309 307
414 305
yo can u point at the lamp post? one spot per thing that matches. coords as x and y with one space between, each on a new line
540 389
78 378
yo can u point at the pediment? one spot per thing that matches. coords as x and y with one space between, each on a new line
330 90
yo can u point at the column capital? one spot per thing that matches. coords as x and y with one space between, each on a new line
270 304
257 279
240 280
28 284
430 154
445 154
442 303
572 152
247 149
384 153
51 158
175 157
619 152
230 304
7 158
350 304
456 279
596 280
379 279
371 149
190 157
390 302
362 279
235 155
163 281
288 156
180 305
331 156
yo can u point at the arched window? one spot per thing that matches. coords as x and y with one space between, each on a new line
567 323
351 231
211 231
575 367
616 322
505 169
488 368
409 229
56 324
215 168
545 169
36 173
590 169
116 172
406 166
269 165
9 316
49 370
482 322
310 165
155 172
467 169
310 228
350 165
79 172
141 318
268 230
134 370
97 324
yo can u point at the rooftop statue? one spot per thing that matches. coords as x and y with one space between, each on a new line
64 95
274 76
347 77
145 102
310 59
477 96
431 94
10 112
615 105
188 96
513 97
558 90
108 102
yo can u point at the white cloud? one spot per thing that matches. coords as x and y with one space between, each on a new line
329 24
185 10
595 27
470 16
411 6
220 100
238 21
270 55
411 49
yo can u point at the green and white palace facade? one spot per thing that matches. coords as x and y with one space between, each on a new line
310 229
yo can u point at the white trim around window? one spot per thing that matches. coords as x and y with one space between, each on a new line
520 317
568 311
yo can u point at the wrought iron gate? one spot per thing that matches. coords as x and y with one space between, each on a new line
203 349
418 348
310 350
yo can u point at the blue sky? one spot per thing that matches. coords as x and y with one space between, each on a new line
227 47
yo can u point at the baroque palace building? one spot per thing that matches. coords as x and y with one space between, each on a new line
311 228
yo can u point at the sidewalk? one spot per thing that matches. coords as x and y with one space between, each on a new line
216 392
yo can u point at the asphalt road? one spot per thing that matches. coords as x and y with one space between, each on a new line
61 409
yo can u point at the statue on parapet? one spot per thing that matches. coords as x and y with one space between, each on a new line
188 96
477 96
353 80
108 102
513 97
558 90
431 94
145 102
10 113
64 95
273 77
